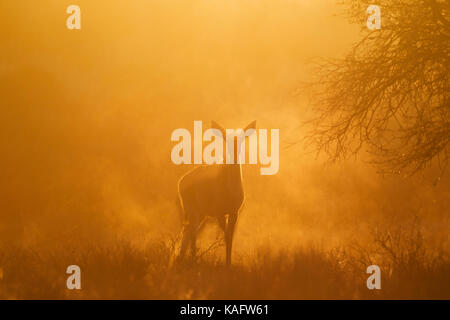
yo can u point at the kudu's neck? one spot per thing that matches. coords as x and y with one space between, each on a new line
234 173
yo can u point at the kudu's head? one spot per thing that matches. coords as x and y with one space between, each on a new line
234 141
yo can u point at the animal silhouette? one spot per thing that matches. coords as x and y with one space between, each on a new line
214 191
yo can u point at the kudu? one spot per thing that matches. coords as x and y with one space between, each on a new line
214 191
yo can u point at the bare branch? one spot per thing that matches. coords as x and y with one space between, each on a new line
390 94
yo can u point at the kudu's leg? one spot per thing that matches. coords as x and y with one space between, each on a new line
197 229
186 238
194 243
229 232
222 223
190 231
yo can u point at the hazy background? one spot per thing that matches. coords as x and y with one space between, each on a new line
86 118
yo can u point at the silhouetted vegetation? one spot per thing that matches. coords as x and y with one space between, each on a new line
411 268
390 94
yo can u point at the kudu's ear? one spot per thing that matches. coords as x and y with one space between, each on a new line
215 125
251 126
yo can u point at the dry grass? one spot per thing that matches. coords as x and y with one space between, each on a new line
122 271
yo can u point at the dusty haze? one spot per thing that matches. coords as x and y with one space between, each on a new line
86 119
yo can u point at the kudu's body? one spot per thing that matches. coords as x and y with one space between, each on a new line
211 191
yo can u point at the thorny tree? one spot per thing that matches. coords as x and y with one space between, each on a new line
390 94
